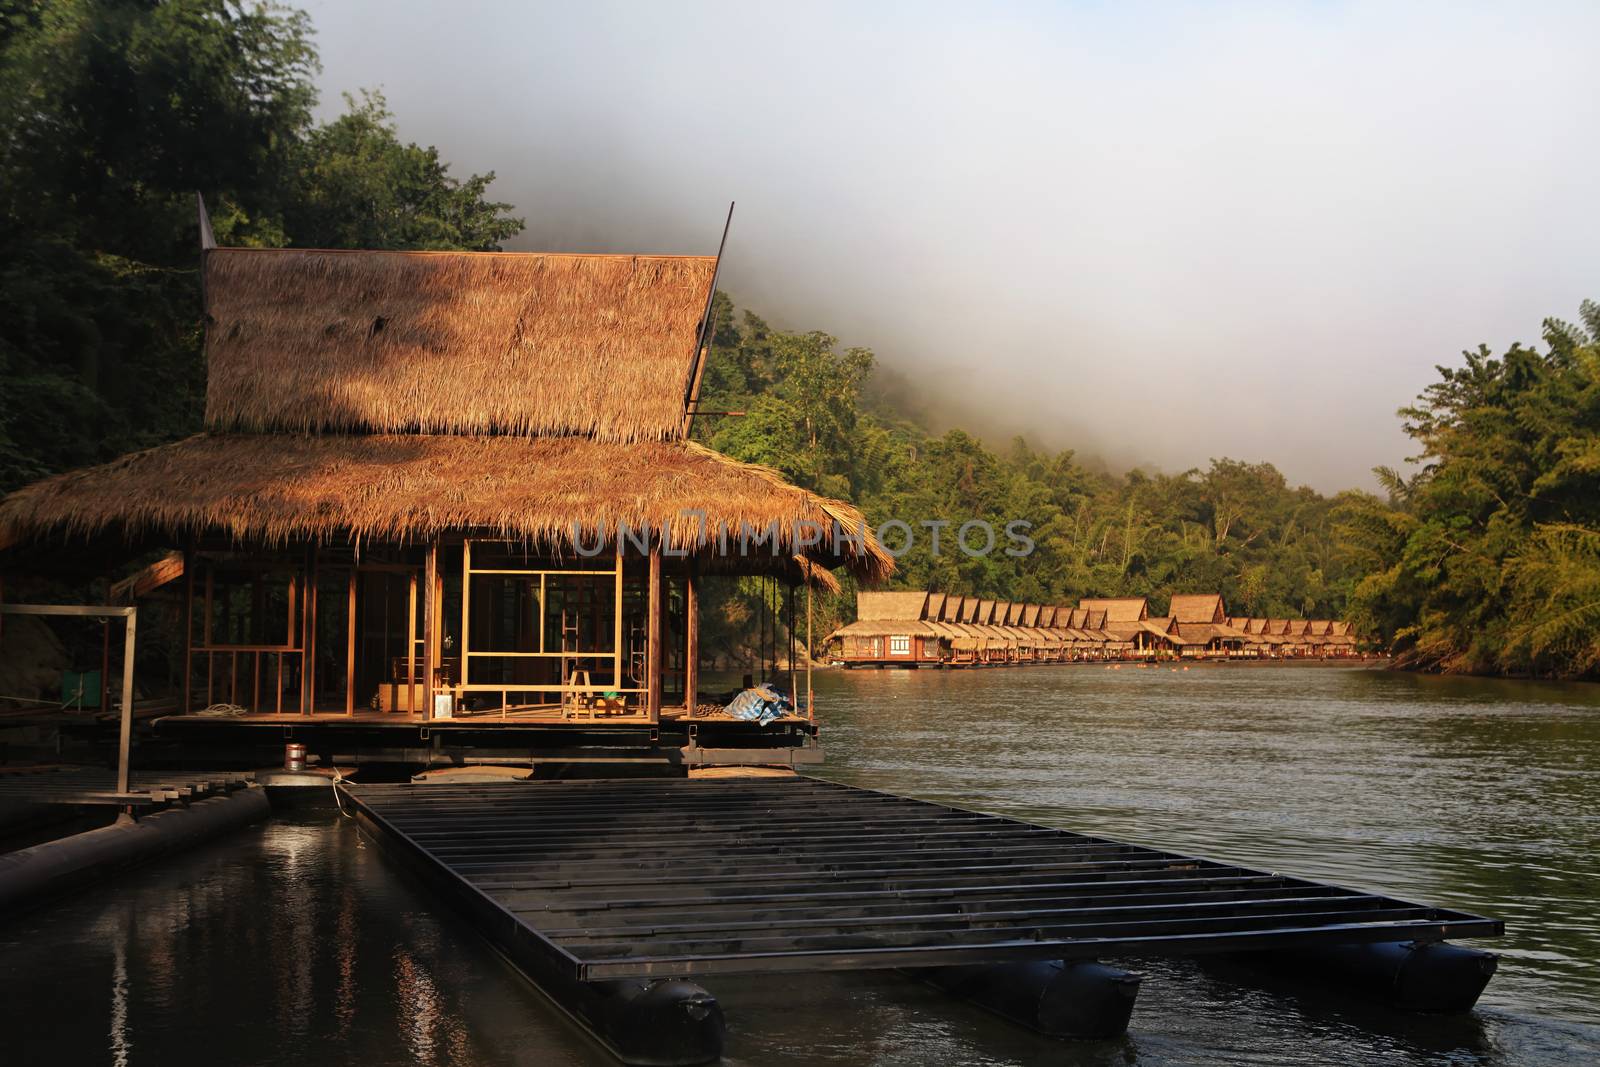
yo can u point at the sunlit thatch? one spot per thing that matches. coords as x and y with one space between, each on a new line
276 488
442 342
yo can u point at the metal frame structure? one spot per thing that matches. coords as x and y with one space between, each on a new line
654 878
130 615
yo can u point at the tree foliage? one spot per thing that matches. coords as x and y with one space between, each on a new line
113 114
1488 558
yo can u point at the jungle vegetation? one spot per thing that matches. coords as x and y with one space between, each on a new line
1485 557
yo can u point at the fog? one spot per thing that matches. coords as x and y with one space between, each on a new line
1154 234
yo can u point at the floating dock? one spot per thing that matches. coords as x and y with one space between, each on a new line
647 879
590 883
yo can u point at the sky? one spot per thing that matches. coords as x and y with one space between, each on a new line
1152 233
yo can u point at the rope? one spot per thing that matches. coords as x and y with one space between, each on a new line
337 778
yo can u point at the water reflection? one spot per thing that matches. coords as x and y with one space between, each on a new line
293 943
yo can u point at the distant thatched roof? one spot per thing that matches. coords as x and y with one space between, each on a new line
873 607
885 628
277 488
1197 607
1203 633
932 610
452 342
1118 609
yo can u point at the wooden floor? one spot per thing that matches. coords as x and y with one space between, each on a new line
651 878
553 715
91 786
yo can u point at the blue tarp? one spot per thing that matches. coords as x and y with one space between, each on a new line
761 704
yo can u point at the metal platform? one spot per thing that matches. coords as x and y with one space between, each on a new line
92 786
632 879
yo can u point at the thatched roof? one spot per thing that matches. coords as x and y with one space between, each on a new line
278 488
885 628
452 342
1118 609
1197 607
1203 633
874 607
934 607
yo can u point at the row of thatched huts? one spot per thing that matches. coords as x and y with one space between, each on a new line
894 629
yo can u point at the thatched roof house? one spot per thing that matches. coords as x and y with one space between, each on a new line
397 395
1118 609
1199 607
382 407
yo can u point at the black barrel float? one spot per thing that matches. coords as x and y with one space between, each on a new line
1082 999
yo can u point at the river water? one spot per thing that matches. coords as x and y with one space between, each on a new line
297 942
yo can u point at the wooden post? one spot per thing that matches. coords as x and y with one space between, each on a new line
105 666
309 668
616 623
652 659
411 645
790 624
430 614
811 712
188 629
350 645
691 636
463 650
125 737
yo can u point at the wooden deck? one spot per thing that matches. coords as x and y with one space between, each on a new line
95 786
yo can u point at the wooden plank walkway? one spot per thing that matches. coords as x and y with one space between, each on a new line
650 878
89 786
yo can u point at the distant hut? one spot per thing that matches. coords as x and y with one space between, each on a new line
1121 619
889 631
1202 627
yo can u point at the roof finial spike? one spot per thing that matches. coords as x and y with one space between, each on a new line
208 240
691 392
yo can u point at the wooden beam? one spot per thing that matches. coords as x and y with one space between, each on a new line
652 658
691 635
